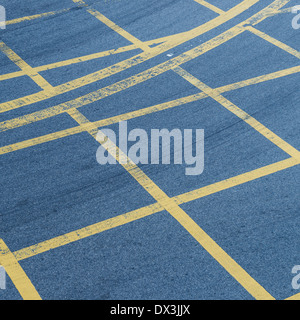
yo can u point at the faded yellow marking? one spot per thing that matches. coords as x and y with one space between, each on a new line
231 266
86 232
17 274
40 140
274 41
84 58
118 86
286 10
113 26
129 82
38 79
11 124
216 95
104 53
267 12
210 6
82 120
295 297
34 17
69 62
129 217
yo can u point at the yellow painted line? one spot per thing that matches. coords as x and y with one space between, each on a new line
174 37
11 124
215 94
17 274
82 120
99 55
286 10
210 6
38 79
236 181
178 39
231 266
171 205
42 139
90 57
280 11
274 41
260 79
267 12
276 12
69 62
34 17
13 75
227 262
113 26
129 217
40 115
101 123
86 232
84 58
295 297
118 86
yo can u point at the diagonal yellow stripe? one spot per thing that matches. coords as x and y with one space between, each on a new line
14 123
34 17
113 26
295 297
17 274
231 266
84 58
36 77
129 217
217 252
274 41
210 6
129 82
215 94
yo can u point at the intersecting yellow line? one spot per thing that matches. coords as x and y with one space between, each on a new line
114 26
230 265
148 74
84 58
139 78
210 6
17 274
122 84
274 41
72 85
216 95
36 77
7 259
143 212
11 124
207 26
172 207
180 215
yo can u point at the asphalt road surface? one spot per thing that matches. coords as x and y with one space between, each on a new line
72 228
